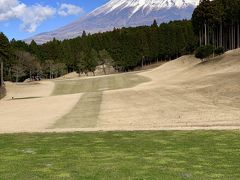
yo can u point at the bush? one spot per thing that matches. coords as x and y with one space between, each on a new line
2 92
204 51
219 51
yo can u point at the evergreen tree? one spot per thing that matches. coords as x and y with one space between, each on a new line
84 34
33 48
81 58
93 60
155 24
105 59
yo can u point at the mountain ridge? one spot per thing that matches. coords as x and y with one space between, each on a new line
122 13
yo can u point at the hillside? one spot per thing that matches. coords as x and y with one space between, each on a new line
182 94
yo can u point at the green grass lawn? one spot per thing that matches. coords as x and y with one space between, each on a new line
121 155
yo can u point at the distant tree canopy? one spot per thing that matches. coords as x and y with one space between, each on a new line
124 49
216 23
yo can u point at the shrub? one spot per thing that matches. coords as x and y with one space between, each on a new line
204 51
219 51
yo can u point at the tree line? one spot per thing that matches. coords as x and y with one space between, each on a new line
216 23
124 49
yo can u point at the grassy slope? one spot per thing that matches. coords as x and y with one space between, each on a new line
85 113
121 155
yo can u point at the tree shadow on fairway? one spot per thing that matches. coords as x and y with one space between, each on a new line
22 98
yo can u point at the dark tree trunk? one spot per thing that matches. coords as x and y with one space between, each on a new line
230 43
232 32
238 38
213 43
142 60
17 77
30 75
1 74
205 32
200 38
104 70
221 34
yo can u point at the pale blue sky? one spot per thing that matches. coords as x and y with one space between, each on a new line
21 19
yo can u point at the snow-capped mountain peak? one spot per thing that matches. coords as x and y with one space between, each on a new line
123 13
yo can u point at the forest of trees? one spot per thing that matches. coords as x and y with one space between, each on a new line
216 23
128 47
124 49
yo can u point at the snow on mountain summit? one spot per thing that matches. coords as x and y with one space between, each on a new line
142 4
122 13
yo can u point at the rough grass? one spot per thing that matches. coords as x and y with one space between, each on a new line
98 84
121 155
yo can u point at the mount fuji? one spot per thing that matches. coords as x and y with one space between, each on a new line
122 13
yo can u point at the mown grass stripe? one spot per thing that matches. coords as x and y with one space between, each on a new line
84 114
98 84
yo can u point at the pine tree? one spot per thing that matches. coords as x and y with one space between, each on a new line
155 24
84 34
81 58
93 61
33 48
